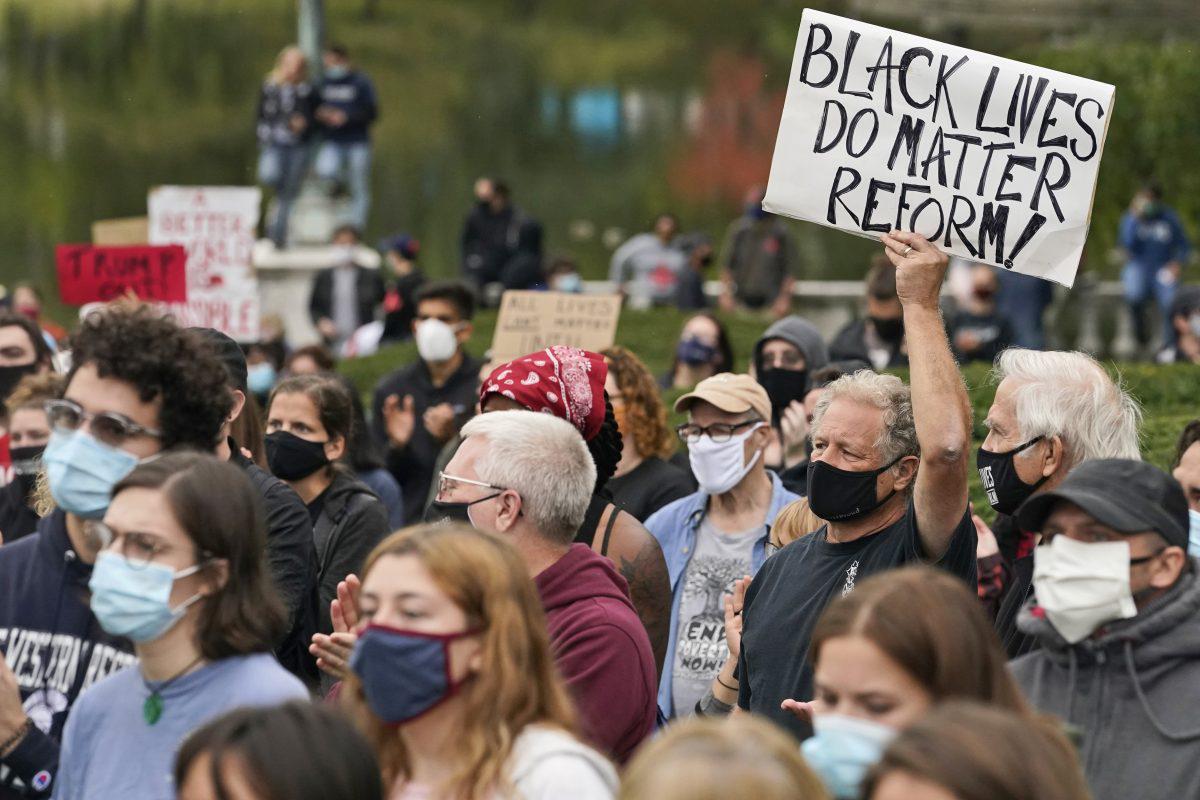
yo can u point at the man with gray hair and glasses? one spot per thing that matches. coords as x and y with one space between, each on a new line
888 473
1052 412
528 477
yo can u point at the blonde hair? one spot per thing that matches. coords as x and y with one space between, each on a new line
794 521
34 390
276 74
518 685
711 759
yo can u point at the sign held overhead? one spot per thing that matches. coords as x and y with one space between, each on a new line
991 159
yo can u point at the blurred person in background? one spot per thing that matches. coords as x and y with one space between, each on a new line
312 359
346 112
876 341
644 481
420 407
28 432
23 351
759 261
883 655
501 244
1184 318
27 302
296 751
345 296
1023 301
181 574
698 249
286 104
400 298
310 420
700 759
365 457
978 331
965 750
453 675
1156 250
646 268
703 350
562 275
1186 470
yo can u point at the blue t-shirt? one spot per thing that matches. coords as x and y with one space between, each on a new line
108 748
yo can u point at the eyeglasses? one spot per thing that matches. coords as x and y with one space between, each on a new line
108 427
446 483
719 432
138 548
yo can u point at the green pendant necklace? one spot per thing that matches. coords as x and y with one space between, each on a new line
152 708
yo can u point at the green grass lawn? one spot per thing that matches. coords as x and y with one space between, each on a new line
1167 393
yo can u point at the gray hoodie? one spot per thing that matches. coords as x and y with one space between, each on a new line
1133 690
800 332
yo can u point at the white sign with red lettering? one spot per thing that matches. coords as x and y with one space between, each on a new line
216 225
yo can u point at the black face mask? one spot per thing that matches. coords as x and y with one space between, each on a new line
11 376
292 458
836 495
440 511
26 462
890 329
783 386
1005 489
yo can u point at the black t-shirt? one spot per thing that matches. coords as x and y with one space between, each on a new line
992 331
648 487
16 518
793 587
317 506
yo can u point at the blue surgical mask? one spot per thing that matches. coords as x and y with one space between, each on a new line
1194 532
695 353
336 73
260 378
135 602
843 749
404 673
83 471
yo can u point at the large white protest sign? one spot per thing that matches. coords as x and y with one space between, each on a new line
216 226
991 159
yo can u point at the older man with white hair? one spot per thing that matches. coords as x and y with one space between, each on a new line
528 477
889 474
1052 412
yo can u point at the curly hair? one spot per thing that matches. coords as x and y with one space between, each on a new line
34 390
605 447
645 414
162 361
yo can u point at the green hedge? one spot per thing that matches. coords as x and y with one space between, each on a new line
1167 393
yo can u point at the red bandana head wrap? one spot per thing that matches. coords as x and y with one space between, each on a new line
564 381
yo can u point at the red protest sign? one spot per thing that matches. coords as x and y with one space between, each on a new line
88 274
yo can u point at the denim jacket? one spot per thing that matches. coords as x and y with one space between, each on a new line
674 526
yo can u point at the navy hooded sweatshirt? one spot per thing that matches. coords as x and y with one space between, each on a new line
355 95
52 643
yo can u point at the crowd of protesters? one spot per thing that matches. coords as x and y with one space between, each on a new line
507 580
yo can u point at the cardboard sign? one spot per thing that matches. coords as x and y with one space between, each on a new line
216 225
88 274
991 159
125 231
530 321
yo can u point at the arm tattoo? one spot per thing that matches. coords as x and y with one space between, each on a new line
650 590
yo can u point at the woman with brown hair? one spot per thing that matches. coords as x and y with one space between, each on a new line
897 645
967 751
182 575
310 421
708 759
453 679
644 480
28 432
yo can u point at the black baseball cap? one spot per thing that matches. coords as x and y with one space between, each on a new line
1127 496
230 353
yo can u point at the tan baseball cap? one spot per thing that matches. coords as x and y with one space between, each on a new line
733 394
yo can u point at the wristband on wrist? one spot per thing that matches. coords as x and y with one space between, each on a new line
726 685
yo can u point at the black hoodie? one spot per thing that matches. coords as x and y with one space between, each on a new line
52 643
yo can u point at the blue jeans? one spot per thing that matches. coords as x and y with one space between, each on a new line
281 168
1141 283
354 159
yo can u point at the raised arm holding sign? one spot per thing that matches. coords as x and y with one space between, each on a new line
992 160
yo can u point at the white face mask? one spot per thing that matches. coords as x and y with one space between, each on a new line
1193 532
344 254
1082 586
719 467
1194 324
435 341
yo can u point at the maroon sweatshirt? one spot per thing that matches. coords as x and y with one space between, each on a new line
601 649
